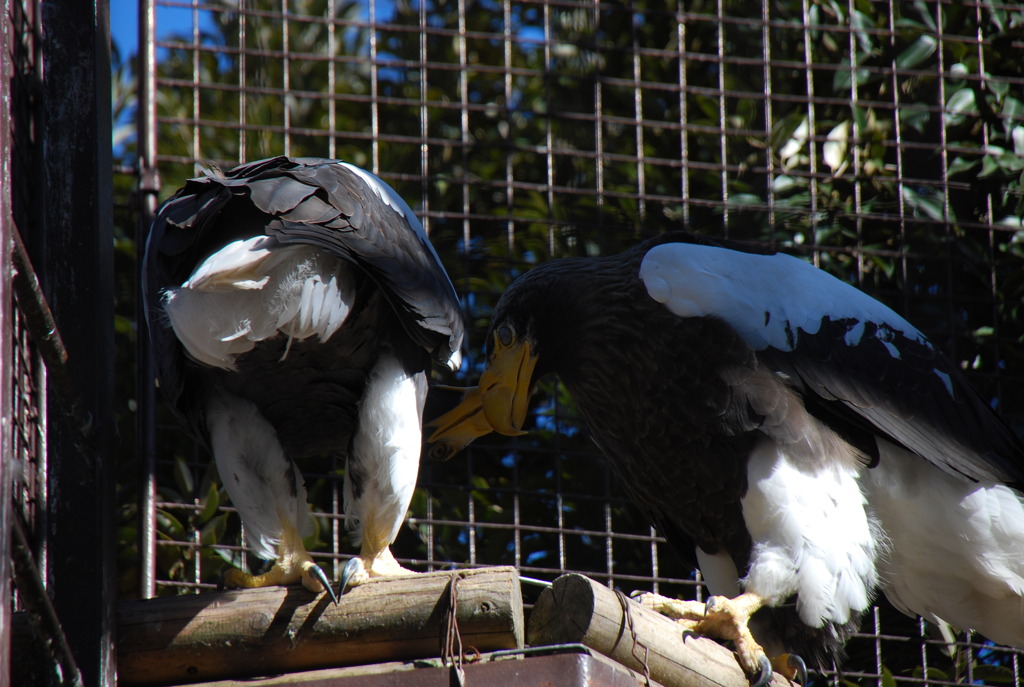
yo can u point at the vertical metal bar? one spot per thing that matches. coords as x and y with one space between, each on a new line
944 180
242 79
517 519
812 126
598 125
922 632
638 122
943 142
470 516
332 82
855 145
425 129
684 136
509 167
989 217
769 117
655 567
42 466
286 80
609 542
897 130
877 624
7 414
196 100
424 122
560 513
428 527
549 137
723 147
374 93
465 139
149 186
337 508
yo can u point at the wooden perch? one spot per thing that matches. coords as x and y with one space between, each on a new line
577 609
242 633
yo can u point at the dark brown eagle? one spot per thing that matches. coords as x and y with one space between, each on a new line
798 440
295 306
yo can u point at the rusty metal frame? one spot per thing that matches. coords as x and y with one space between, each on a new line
56 362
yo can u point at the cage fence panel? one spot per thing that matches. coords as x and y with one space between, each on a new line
883 141
28 377
25 455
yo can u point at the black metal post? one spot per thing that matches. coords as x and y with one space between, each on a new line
75 261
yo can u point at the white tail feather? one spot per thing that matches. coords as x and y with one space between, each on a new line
252 290
957 547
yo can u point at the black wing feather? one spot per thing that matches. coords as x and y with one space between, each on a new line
298 200
322 203
380 241
919 399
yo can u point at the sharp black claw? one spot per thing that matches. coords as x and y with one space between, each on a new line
764 676
346 574
321 577
797 664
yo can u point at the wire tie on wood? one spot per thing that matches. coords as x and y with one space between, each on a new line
451 649
627 614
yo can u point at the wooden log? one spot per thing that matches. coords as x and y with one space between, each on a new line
578 609
245 633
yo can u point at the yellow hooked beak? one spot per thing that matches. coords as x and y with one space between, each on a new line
505 385
499 404
456 429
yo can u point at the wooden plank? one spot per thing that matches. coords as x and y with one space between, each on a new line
244 633
578 609
572 667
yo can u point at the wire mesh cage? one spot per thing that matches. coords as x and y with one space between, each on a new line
883 141
27 374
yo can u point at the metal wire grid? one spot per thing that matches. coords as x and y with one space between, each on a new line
29 416
27 462
429 519
715 124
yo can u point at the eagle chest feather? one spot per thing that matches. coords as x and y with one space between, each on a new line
310 392
628 381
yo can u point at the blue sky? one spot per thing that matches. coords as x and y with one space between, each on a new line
124 21
124 25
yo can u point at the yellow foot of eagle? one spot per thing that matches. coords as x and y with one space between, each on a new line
293 564
723 618
370 565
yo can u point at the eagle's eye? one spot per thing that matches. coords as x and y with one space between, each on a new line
505 334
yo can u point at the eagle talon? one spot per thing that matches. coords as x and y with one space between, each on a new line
351 568
764 675
798 667
318 574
